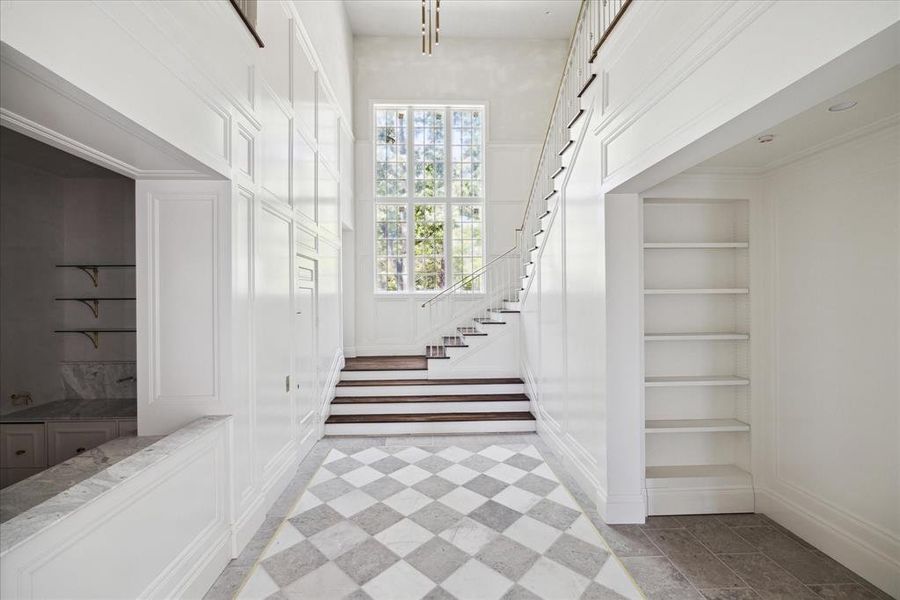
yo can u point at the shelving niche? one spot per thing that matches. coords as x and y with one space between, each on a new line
696 356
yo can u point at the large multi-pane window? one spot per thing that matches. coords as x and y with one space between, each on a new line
429 197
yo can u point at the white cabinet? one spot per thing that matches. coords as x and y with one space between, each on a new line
66 439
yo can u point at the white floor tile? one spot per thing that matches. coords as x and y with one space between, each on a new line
307 501
286 536
468 535
370 455
321 476
352 502
399 582
454 454
463 500
506 473
410 475
259 586
562 496
334 455
327 582
412 454
458 474
476 581
497 453
533 534
544 471
549 579
517 499
584 530
338 539
361 476
532 452
408 501
614 576
404 537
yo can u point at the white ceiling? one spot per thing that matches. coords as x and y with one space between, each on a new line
526 19
878 100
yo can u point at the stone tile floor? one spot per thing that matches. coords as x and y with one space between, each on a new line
483 517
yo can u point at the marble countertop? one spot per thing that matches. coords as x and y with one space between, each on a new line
32 505
74 410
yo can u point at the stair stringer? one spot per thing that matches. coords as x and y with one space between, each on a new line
492 355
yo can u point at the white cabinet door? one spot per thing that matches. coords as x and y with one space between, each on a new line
22 445
273 311
70 438
305 389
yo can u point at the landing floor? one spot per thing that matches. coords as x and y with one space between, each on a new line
497 516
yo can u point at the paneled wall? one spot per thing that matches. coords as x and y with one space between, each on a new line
228 269
517 81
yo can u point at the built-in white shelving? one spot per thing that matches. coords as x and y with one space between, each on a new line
695 381
695 426
712 336
694 291
694 245
697 372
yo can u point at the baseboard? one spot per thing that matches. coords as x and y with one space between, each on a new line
245 526
207 569
391 350
699 501
622 509
860 555
334 376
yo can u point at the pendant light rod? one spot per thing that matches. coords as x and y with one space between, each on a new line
431 25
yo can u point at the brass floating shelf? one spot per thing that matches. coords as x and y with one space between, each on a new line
93 303
93 271
94 334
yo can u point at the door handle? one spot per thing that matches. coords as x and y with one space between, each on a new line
20 452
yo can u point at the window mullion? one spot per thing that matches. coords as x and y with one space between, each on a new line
410 200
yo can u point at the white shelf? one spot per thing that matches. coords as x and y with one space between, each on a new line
695 291
711 336
681 381
697 477
694 245
695 426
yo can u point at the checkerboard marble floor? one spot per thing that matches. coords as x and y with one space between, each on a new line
437 522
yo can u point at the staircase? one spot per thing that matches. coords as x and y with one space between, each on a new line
396 395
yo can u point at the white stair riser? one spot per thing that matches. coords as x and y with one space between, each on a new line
698 502
420 408
369 375
429 428
512 305
506 317
429 390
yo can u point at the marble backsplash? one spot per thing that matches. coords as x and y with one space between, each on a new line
99 380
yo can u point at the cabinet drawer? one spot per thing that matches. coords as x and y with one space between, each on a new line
23 445
67 439
127 427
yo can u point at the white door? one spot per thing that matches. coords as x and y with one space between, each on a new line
305 342
272 309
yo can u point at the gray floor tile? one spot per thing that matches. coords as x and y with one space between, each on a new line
479 463
316 519
521 461
767 578
718 537
358 595
388 464
517 592
628 540
536 484
846 591
690 557
343 465
595 591
434 487
383 488
437 559
331 489
507 557
293 563
809 566
434 464
743 520
436 517
553 514
376 518
495 515
439 593
485 485
730 594
366 561
228 583
668 522
581 557
659 579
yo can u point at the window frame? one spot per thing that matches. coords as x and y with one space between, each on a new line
411 200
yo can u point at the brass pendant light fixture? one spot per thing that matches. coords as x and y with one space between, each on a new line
431 25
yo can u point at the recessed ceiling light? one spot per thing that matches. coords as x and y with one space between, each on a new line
765 139
842 106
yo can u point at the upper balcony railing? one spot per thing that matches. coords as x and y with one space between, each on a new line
596 19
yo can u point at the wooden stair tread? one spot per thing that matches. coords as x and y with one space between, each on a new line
451 341
484 381
484 321
435 352
432 417
385 363
426 399
469 331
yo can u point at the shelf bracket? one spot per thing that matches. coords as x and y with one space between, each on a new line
93 273
93 304
94 336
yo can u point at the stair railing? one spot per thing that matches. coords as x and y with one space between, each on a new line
596 19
